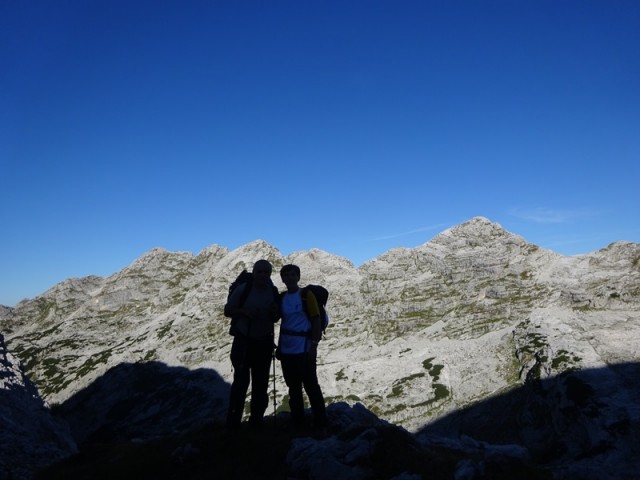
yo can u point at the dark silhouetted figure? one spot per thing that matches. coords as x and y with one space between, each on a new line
253 308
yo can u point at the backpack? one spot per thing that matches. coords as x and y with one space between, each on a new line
245 277
322 295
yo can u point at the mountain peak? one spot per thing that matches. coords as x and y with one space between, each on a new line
257 247
478 228
259 243
479 224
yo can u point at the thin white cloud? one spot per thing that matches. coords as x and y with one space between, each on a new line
410 232
550 215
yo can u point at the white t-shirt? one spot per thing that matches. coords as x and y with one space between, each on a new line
293 319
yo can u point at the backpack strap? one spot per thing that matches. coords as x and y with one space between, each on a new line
284 331
304 291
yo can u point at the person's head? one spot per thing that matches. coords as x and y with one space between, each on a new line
290 275
262 272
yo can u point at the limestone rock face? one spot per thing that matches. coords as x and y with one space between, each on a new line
30 436
415 334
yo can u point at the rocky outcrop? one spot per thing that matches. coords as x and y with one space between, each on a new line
573 421
365 447
30 437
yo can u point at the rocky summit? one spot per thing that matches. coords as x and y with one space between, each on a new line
476 339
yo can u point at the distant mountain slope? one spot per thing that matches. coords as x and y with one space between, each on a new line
414 334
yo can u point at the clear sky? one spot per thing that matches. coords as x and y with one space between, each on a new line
349 126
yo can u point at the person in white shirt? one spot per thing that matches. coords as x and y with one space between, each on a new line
300 333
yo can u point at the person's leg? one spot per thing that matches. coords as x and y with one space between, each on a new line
292 372
260 369
240 384
314 392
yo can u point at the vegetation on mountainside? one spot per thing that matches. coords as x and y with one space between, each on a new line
164 330
440 391
434 370
399 385
489 302
44 308
341 375
565 361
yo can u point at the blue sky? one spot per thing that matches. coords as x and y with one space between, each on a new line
349 126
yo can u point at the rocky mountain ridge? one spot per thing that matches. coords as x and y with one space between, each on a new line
416 334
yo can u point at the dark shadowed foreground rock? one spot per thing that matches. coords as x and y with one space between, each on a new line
151 420
142 402
364 447
358 446
577 423
30 437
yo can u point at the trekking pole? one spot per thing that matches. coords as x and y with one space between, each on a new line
273 358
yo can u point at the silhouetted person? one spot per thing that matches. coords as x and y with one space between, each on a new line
253 314
300 333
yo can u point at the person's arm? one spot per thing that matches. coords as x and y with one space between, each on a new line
276 311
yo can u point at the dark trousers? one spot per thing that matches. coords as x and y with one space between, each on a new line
251 361
300 371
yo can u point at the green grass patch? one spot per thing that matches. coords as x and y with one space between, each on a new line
164 330
433 370
398 386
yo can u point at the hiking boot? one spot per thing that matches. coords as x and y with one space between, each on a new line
256 424
233 426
